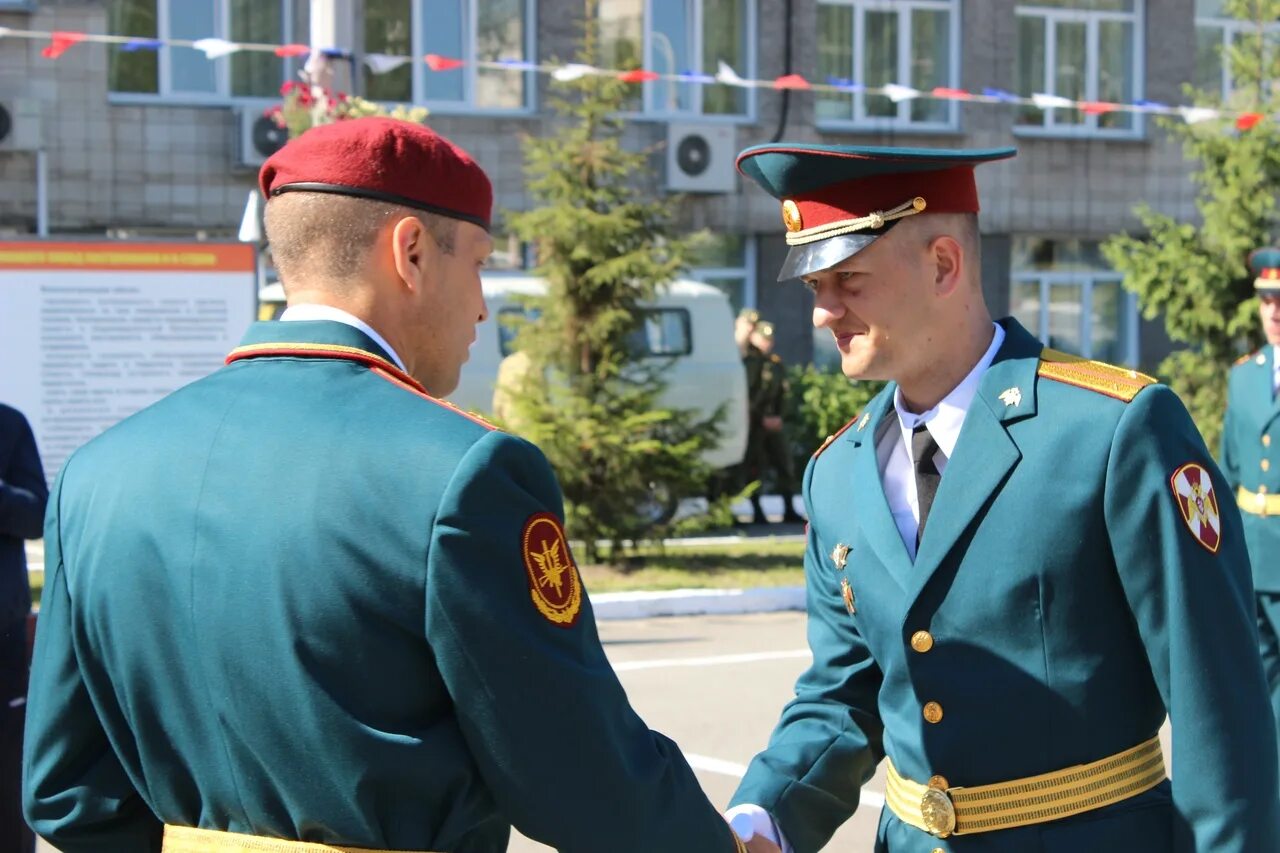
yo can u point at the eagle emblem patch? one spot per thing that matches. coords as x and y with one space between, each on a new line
1193 489
554 584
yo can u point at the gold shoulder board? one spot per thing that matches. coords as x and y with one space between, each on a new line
1118 382
1242 359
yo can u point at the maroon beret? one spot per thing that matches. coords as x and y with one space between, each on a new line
386 159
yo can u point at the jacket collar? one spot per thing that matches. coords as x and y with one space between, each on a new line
317 339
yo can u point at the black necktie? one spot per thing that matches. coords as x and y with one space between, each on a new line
923 449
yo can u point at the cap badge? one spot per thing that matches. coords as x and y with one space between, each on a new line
791 216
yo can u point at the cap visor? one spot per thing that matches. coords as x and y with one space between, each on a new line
812 257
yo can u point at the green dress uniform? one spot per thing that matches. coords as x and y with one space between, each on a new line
300 598
776 453
1082 574
1060 606
1250 429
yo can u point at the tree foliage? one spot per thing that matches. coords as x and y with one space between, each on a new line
605 244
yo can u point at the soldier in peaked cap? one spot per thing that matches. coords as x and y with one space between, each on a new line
1252 468
1018 562
303 604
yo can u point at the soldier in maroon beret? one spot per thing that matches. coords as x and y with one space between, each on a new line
305 600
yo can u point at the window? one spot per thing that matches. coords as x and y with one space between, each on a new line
876 42
1084 50
474 31
186 73
1064 292
682 37
1216 32
663 332
727 261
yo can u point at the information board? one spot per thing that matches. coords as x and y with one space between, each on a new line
92 332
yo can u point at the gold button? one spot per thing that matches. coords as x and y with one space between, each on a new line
939 850
932 712
938 783
1266 441
922 641
1266 464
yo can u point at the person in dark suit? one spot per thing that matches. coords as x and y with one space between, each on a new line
306 601
23 495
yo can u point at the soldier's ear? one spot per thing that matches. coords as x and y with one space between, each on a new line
948 259
413 251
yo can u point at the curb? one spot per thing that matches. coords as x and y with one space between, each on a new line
693 602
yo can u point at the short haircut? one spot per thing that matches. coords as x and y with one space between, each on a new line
326 237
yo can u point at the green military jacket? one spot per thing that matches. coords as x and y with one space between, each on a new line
754 362
1083 574
1251 459
773 384
301 598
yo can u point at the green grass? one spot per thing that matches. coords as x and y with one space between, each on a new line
754 562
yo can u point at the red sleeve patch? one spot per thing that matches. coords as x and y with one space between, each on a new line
1193 490
554 584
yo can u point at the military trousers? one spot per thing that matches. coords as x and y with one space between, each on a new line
1269 644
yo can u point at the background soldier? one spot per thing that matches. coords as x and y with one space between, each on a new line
770 453
1252 467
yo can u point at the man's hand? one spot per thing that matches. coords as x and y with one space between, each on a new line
760 844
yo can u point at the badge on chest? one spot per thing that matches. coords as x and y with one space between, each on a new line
840 557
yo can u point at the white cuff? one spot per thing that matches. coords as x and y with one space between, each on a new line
749 820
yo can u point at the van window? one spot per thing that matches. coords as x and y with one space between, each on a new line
663 332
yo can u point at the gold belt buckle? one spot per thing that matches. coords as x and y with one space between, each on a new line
939 812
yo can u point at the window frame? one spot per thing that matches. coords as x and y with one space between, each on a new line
1086 280
1090 18
903 121
467 105
1228 28
648 113
222 65
747 272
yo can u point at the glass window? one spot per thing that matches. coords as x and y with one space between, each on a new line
727 261
681 37
1064 292
387 31
1216 33
186 73
1084 50
662 332
872 43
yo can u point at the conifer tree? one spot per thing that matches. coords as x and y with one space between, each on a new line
606 241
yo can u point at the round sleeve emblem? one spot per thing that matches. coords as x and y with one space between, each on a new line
1193 489
554 584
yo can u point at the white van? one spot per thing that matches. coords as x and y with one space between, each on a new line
690 321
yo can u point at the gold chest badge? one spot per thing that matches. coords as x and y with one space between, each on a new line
846 592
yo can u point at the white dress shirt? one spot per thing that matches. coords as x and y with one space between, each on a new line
897 468
1275 370
337 315
897 472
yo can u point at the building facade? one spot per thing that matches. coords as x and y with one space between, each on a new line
160 142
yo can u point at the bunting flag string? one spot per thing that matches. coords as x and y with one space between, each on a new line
58 42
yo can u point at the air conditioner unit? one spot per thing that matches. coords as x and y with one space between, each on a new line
700 158
260 137
20 125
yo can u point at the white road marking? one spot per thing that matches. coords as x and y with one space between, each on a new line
869 799
717 660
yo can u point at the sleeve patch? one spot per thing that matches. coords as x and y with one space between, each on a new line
1193 490
554 584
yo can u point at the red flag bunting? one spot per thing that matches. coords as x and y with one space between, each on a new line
436 62
638 76
1097 108
954 94
59 42
1248 120
293 50
791 81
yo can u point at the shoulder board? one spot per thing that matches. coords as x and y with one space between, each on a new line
1249 357
1118 382
414 388
835 435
